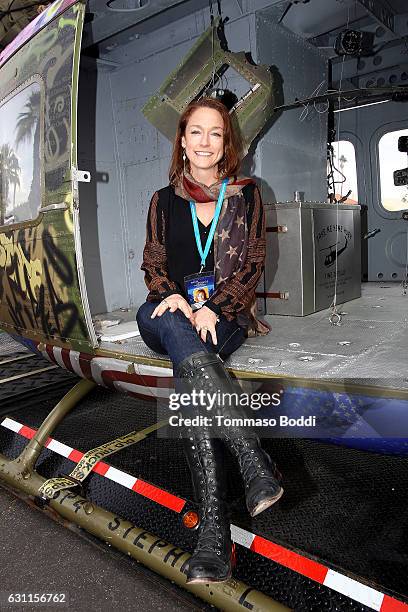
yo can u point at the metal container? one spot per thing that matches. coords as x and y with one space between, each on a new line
308 245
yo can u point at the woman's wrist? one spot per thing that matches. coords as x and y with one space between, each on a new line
167 294
214 307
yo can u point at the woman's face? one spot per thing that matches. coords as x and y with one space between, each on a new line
200 296
204 139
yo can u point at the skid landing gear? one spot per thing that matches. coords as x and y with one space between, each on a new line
160 556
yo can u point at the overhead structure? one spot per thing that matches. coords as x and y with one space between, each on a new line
14 16
199 71
381 12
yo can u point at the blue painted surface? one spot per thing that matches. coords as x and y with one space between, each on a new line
30 344
378 424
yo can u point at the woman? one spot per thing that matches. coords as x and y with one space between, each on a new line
207 229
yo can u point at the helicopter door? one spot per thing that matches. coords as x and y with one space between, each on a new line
42 290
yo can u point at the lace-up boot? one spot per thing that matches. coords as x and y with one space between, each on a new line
211 560
259 473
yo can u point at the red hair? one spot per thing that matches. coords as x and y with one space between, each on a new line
229 163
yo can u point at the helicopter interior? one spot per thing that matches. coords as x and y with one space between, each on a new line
317 47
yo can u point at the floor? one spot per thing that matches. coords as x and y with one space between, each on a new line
92 576
370 345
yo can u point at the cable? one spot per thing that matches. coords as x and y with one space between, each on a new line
211 84
404 283
331 182
305 110
335 317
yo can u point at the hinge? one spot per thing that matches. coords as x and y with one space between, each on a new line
81 176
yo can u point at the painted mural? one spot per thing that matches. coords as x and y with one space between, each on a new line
57 7
39 290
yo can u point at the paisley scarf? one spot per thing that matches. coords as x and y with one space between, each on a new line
231 237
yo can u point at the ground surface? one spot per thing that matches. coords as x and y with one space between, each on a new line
38 555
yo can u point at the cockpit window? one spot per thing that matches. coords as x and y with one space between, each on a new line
393 198
20 185
345 171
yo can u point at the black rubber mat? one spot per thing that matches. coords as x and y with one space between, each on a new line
297 592
345 507
23 383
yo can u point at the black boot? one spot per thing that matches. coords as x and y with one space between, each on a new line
261 478
211 560
259 473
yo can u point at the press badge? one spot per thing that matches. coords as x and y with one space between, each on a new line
199 287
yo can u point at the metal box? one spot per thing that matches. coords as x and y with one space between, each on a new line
302 259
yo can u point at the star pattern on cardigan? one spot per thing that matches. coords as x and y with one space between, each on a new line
233 296
224 234
232 251
239 221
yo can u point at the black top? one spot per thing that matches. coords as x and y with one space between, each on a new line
180 238
170 253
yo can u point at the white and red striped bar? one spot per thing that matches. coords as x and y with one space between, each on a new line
170 501
297 562
146 382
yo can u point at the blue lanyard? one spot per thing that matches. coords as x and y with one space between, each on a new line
203 254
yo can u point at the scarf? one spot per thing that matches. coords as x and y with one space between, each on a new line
231 237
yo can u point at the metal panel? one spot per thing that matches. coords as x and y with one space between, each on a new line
342 228
302 260
206 61
387 249
293 151
50 303
284 253
101 201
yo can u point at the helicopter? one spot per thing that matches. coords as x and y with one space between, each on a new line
90 96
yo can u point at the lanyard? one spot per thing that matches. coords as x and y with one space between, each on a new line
203 254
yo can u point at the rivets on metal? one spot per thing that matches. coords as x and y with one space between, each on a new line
88 508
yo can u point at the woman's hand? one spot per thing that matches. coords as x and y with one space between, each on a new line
172 303
204 320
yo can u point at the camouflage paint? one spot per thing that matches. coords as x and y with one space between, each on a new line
57 7
39 290
188 81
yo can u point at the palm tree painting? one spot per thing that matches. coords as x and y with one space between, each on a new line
27 123
9 176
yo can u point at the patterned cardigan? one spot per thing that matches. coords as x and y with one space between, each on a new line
234 298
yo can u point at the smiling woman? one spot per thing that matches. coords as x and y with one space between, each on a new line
203 143
204 254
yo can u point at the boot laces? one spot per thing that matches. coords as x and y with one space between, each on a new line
211 537
251 466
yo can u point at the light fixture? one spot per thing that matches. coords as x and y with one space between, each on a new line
355 43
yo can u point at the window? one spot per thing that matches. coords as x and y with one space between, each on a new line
345 172
392 198
20 194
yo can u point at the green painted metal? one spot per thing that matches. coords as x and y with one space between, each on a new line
157 554
85 466
31 452
40 294
193 76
